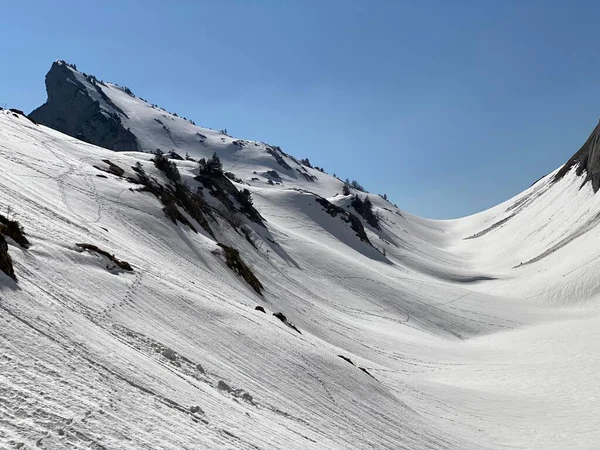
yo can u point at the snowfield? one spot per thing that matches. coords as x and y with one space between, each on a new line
476 333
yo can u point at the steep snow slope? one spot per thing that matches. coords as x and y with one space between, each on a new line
80 365
476 333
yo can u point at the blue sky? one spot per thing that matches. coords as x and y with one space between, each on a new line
448 107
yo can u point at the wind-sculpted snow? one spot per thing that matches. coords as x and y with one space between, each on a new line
445 342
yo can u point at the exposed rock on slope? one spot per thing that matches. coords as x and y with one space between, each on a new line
587 160
6 265
77 106
235 263
13 230
225 191
114 262
347 217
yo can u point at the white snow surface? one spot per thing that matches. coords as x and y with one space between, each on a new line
477 333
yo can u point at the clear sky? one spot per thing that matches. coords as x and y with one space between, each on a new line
449 107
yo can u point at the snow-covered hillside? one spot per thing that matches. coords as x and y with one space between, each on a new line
477 333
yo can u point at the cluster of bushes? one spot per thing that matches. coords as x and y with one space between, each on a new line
356 185
72 66
210 173
237 265
171 210
232 177
365 209
195 206
13 229
93 80
172 198
168 167
348 217
276 152
306 162
141 173
211 166
245 199
128 91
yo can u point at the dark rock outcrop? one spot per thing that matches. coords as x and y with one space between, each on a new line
361 368
237 265
355 223
13 230
169 354
112 168
284 319
586 160
6 265
124 265
345 358
275 152
72 110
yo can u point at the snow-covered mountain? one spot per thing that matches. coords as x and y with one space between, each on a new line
112 117
378 331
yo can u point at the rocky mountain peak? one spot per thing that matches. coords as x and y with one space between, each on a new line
77 106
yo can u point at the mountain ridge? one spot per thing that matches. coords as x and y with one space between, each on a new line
78 106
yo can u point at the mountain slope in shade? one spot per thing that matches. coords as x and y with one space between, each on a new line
475 333
77 106
586 161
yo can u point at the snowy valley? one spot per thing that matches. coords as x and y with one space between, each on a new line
387 331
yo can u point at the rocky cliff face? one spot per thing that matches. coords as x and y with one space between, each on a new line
586 160
77 106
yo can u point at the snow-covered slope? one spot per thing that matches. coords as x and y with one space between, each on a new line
481 332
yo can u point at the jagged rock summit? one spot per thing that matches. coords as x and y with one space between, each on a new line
78 106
